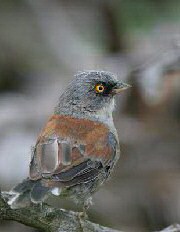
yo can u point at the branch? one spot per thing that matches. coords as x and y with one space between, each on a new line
49 219
172 228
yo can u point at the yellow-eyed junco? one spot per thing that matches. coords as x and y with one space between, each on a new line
78 148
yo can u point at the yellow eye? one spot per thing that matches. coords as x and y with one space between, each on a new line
99 88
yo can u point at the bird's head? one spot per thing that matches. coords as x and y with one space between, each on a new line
90 92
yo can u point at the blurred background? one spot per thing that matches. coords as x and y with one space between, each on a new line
44 43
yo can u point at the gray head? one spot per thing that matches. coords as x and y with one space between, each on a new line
90 94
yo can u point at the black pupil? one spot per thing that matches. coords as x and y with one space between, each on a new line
100 88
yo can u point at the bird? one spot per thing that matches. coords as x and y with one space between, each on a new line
78 148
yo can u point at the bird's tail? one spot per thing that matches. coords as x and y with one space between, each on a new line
28 191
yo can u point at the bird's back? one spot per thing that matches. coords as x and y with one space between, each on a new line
66 142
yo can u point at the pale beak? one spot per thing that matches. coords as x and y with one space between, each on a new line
120 87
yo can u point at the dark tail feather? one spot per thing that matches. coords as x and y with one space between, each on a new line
39 193
26 192
23 186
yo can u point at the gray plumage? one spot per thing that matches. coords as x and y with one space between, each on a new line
80 99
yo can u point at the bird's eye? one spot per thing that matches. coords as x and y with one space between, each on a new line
99 88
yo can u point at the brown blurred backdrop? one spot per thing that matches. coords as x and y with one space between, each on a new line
44 43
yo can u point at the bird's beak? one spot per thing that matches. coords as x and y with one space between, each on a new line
120 87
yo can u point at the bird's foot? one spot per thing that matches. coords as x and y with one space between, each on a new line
43 207
82 215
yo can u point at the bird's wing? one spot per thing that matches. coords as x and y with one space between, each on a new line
72 150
